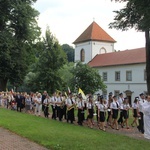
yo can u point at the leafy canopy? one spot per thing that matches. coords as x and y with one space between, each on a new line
18 32
69 50
135 14
51 58
87 78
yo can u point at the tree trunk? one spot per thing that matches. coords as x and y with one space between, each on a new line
147 37
3 83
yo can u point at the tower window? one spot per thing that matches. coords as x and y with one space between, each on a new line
102 50
82 55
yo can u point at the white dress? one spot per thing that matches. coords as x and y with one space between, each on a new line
146 111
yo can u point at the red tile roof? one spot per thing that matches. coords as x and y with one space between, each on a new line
133 56
94 33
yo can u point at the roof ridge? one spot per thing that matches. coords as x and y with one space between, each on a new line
92 29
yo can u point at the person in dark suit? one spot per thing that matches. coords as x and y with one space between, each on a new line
22 99
43 98
59 106
18 101
54 106
46 103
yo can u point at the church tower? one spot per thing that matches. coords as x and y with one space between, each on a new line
94 40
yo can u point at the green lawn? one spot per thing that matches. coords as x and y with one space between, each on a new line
57 135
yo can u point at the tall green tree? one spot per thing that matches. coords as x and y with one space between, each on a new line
66 75
51 59
136 14
69 50
18 31
87 78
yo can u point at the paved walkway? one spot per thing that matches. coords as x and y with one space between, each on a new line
11 141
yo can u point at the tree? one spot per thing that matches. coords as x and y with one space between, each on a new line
18 31
87 78
66 75
69 50
136 14
51 59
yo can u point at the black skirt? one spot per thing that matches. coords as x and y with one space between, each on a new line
90 116
135 113
70 115
102 116
115 113
125 114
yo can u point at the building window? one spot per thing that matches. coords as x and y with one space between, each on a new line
116 92
145 75
82 55
104 76
128 75
102 50
104 94
117 76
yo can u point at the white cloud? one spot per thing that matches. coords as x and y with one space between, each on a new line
67 19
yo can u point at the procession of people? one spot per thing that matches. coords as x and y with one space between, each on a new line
110 112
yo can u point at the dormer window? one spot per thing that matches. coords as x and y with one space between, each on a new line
82 55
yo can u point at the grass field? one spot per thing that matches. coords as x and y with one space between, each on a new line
57 135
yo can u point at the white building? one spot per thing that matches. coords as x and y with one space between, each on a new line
94 40
122 71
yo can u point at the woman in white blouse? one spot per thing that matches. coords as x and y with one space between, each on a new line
96 108
102 107
38 103
135 111
109 115
126 108
90 111
114 106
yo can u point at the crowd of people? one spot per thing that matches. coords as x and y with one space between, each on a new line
113 112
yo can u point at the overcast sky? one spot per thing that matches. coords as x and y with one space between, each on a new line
67 19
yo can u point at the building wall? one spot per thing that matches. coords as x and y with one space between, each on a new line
87 48
92 48
136 86
99 46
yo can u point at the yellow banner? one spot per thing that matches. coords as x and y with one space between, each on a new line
82 93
